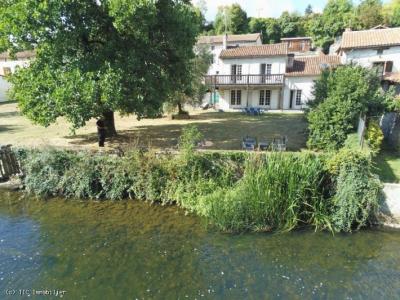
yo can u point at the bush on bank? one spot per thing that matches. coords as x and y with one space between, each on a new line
234 191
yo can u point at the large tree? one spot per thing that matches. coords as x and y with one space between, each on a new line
369 13
97 57
391 13
232 18
337 15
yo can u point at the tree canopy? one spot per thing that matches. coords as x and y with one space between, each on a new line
341 96
94 58
323 27
233 17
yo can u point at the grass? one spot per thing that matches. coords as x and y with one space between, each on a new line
222 131
388 166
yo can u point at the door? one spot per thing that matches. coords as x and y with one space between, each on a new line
233 73
291 99
263 69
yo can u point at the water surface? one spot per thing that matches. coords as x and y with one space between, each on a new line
129 250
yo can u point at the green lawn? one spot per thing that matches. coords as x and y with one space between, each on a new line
388 166
222 131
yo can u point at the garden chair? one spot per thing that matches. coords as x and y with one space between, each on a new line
249 143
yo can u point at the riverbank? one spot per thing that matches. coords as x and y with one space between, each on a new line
234 191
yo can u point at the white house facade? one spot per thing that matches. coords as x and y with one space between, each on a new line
269 77
215 44
377 48
8 65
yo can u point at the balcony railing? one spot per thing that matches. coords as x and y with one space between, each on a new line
217 80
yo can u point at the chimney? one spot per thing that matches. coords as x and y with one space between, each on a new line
290 60
348 29
225 41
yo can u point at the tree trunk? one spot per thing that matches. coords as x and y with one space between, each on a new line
180 110
109 123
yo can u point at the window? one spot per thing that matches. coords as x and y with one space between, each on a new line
239 72
379 67
269 69
298 97
265 98
236 97
6 71
379 51
212 48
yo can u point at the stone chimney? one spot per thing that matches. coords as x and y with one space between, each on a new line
225 41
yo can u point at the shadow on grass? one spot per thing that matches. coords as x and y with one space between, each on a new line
9 114
387 165
9 128
222 131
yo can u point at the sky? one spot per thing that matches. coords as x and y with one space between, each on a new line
266 8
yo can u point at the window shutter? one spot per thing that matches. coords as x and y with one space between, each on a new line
388 66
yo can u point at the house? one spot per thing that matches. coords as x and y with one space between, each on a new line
298 45
8 65
265 76
377 48
215 44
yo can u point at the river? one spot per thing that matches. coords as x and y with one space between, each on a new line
134 250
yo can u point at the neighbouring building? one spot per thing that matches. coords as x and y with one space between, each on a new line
377 48
217 43
8 65
298 45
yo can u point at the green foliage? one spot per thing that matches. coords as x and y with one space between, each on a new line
234 17
279 192
370 14
374 136
189 139
391 12
92 58
357 191
340 97
234 191
336 16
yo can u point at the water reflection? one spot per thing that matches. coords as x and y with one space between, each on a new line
133 250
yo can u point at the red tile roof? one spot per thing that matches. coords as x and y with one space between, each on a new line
256 51
312 65
370 38
232 38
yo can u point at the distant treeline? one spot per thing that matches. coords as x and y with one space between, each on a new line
322 27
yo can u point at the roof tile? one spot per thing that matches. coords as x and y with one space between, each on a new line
312 65
217 39
370 38
256 51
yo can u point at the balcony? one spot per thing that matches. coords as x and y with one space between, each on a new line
244 80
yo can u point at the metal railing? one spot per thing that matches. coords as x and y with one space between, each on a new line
216 80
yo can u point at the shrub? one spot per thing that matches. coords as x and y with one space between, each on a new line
357 190
374 136
44 169
340 97
235 191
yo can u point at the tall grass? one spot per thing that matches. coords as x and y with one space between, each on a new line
278 191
